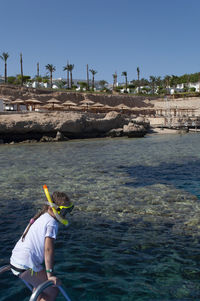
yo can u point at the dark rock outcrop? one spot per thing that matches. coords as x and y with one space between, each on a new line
134 130
61 126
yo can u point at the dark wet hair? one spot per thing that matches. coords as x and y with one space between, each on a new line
59 198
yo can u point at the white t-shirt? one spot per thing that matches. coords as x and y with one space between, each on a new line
30 252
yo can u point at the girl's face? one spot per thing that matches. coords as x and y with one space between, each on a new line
62 210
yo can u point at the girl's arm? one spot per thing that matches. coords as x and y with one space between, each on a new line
49 254
49 259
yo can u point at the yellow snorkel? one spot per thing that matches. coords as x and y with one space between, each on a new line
58 217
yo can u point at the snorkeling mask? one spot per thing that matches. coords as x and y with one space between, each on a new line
59 211
64 210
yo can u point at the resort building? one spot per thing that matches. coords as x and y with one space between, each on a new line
61 83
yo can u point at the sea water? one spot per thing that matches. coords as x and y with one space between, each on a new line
134 232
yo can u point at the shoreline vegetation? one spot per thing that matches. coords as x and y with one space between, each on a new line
155 85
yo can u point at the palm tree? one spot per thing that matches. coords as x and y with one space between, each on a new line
93 74
88 81
114 80
38 74
66 68
70 68
21 64
166 81
102 83
38 70
50 68
138 78
4 57
173 81
124 73
152 81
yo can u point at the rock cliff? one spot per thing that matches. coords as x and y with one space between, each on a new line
34 125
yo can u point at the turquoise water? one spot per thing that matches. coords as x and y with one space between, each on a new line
134 233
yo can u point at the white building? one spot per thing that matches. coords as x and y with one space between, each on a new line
195 85
182 87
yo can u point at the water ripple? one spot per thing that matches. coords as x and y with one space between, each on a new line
134 232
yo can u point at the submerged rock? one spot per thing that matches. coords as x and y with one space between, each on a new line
60 137
46 139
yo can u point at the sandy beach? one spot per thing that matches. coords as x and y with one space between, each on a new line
164 131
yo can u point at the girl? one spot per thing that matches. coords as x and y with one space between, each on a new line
37 246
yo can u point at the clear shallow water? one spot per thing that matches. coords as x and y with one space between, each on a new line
134 234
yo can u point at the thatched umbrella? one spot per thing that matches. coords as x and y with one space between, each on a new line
87 101
53 101
56 106
107 108
97 105
83 106
122 106
32 101
18 102
69 103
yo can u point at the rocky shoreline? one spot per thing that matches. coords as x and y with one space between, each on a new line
62 126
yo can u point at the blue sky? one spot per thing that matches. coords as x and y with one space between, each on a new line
160 37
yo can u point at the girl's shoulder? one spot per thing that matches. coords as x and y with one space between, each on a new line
48 219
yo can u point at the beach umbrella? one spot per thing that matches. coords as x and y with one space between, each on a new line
87 101
108 107
18 102
97 105
55 106
32 102
83 106
122 107
58 106
69 103
53 101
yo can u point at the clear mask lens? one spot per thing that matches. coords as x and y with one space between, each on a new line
64 211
